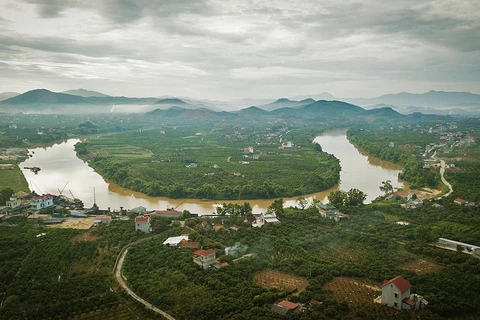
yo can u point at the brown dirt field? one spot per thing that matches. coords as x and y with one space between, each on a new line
274 279
355 291
76 223
421 266
359 295
87 236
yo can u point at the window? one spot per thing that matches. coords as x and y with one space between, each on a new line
396 295
395 305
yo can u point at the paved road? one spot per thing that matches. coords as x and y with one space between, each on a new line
442 171
121 281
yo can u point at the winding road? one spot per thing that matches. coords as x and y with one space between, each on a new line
121 281
442 171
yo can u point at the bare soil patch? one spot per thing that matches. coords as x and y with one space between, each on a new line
87 236
271 279
421 266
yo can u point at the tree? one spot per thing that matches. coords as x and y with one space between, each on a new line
276 206
355 197
337 198
302 202
386 187
5 194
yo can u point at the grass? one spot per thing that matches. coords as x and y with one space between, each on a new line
13 179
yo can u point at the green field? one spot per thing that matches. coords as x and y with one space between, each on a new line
157 163
13 179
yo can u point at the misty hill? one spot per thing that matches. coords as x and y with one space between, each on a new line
252 112
8 95
173 101
286 103
435 99
85 93
320 110
195 114
386 112
43 96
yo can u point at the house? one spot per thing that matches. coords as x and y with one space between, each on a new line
324 209
204 258
103 219
268 217
13 202
184 244
142 224
168 213
285 307
191 166
38 217
256 156
413 204
460 201
207 226
175 241
394 291
138 210
248 150
391 144
41 202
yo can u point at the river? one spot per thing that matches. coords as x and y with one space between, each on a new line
62 171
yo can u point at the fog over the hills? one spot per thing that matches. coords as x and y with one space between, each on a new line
223 49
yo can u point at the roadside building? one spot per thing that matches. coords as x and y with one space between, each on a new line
142 224
187 245
103 219
204 258
41 202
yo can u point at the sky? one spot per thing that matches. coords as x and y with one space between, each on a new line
224 49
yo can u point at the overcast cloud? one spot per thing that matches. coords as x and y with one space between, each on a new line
222 49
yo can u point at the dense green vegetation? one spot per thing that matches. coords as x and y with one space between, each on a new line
156 162
59 275
370 247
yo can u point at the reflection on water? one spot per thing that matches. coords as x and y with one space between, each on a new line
61 168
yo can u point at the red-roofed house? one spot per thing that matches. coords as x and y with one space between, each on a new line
459 201
204 258
143 224
394 291
43 201
284 307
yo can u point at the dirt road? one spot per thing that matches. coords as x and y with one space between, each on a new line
121 281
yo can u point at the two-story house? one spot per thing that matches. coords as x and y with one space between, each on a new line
204 258
394 291
143 224
41 202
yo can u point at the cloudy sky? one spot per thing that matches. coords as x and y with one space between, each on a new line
222 49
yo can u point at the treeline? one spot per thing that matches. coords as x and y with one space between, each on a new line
412 164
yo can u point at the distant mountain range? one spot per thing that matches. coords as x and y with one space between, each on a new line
85 93
318 111
42 100
85 101
8 95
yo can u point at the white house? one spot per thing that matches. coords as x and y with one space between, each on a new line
175 241
268 217
13 202
43 201
394 291
143 224
396 294
204 258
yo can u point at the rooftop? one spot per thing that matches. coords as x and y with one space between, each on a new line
288 304
204 252
402 284
142 219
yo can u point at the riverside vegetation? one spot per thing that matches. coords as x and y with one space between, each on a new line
68 273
